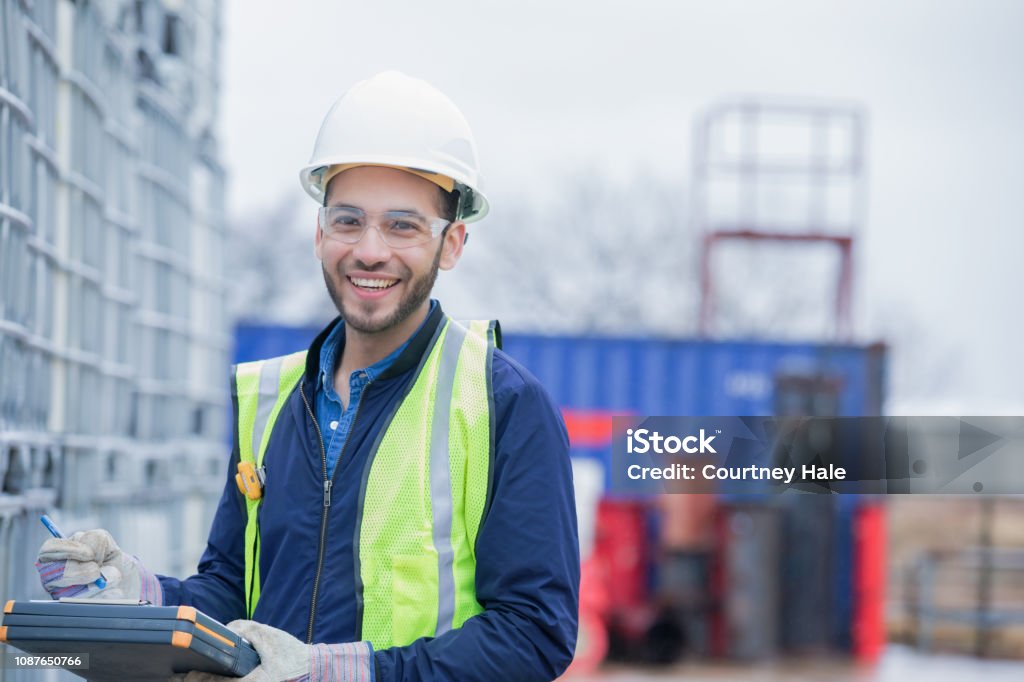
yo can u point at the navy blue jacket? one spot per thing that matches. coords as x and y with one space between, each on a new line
527 573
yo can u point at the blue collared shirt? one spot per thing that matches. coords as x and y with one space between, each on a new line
334 419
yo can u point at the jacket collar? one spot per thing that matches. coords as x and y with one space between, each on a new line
408 359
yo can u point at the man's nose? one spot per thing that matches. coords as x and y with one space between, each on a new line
371 248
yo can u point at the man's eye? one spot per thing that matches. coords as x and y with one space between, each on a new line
404 226
345 220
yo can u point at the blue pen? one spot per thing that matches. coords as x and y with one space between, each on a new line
101 582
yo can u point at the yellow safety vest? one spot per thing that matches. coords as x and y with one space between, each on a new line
426 491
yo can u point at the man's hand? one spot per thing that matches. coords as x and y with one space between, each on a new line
283 658
69 567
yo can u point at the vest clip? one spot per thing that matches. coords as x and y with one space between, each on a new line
250 480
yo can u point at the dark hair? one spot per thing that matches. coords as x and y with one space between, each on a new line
449 204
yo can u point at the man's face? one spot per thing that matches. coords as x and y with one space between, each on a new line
375 287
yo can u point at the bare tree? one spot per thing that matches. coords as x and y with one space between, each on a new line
602 258
274 270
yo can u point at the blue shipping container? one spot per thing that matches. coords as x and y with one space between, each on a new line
600 376
659 376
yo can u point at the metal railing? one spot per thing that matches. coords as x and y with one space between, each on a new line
970 589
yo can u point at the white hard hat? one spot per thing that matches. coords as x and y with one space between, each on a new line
395 120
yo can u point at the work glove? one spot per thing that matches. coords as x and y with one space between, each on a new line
285 659
69 567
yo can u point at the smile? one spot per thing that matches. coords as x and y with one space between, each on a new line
373 284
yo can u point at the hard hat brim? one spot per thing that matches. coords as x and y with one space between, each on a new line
311 179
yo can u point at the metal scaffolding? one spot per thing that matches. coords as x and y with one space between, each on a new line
778 170
113 339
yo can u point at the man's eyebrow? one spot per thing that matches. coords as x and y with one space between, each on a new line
408 211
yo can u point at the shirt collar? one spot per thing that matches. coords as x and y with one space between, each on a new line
333 344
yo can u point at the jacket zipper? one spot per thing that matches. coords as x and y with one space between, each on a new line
328 483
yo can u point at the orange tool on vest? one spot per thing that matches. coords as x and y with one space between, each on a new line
250 480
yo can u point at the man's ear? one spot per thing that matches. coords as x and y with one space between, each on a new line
451 247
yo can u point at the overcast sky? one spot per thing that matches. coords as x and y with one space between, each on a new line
552 87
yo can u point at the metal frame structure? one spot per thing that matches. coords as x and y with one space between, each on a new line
113 341
735 175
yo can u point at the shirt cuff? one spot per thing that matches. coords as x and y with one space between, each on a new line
350 662
150 588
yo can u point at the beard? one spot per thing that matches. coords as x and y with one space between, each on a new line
360 317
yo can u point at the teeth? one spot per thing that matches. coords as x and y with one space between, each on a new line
373 283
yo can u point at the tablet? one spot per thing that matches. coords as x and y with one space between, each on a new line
127 641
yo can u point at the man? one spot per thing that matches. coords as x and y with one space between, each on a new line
399 504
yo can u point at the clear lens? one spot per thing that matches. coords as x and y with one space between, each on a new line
398 229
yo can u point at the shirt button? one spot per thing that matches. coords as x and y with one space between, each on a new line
334 425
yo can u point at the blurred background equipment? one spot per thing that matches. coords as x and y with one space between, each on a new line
777 172
113 341
957 571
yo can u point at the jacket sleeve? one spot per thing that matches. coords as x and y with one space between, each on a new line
217 587
527 553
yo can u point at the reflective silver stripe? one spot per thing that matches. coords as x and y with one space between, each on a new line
270 381
440 477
